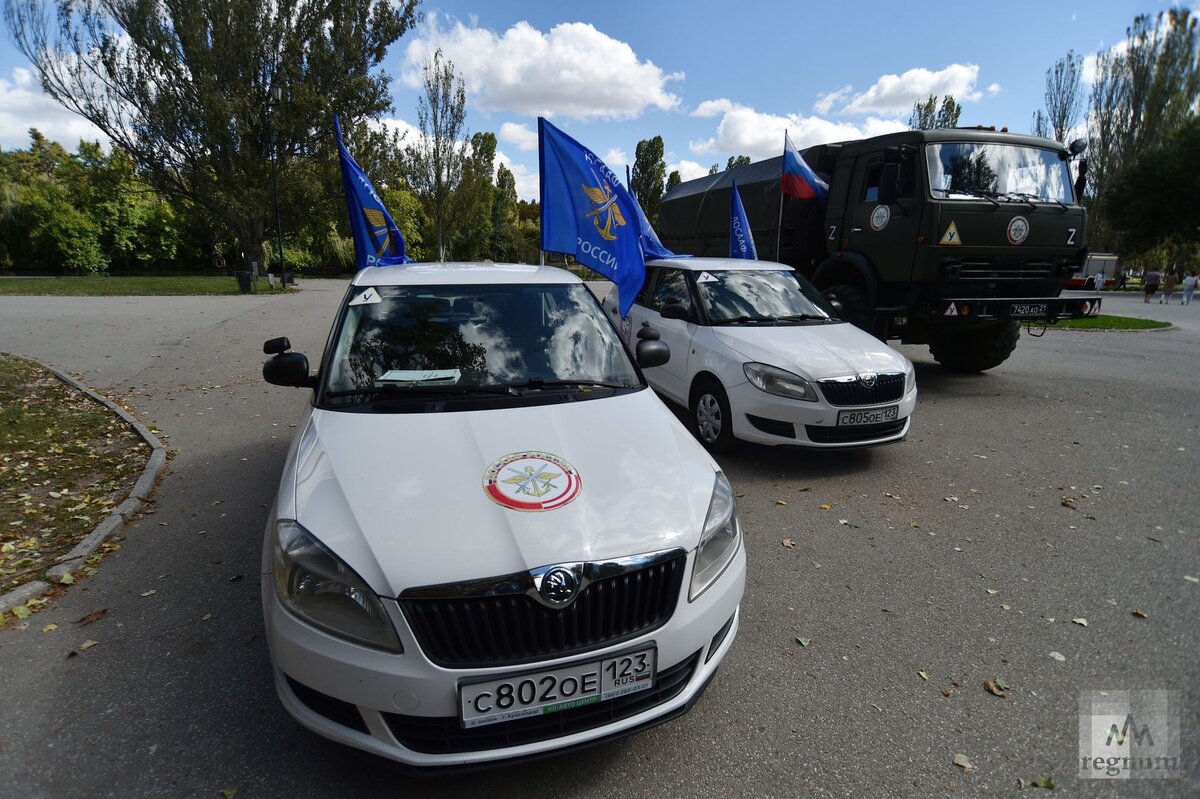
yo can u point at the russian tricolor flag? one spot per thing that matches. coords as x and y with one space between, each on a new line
798 179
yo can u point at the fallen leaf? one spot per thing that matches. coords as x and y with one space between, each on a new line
150 592
1001 684
49 628
229 793
1044 782
1081 622
95 615
781 502
737 494
923 674
21 612
843 521
995 690
1068 502
963 762
67 579
804 641
992 591
949 499
1141 614
1191 579
206 617
235 578
1060 657
825 506
946 692
789 543
86 645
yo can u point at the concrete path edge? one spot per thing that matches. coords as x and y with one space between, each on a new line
114 521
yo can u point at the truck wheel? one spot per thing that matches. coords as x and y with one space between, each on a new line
855 308
976 350
710 419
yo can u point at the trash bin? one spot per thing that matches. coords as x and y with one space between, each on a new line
243 279
289 278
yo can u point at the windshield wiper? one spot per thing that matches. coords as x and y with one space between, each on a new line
805 317
537 383
970 193
1029 198
394 392
737 320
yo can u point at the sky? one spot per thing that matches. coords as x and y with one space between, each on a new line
714 79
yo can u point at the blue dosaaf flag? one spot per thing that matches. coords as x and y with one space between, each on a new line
377 240
741 240
588 213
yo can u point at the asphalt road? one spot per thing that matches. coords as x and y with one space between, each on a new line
957 558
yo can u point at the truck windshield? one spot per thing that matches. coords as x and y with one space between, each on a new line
958 170
469 339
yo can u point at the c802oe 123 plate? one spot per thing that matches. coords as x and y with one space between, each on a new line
541 692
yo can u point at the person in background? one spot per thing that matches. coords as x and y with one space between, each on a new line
1189 287
1150 283
1168 285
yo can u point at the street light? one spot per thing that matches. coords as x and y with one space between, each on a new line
276 96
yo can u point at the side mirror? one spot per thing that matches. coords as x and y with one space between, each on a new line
675 310
1078 146
889 176
647 332
288 369
652 352
836 304
276 346
1081 181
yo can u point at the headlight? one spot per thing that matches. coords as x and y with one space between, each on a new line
318 587
719 541
777 381
910 379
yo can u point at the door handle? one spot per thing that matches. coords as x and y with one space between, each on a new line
856 230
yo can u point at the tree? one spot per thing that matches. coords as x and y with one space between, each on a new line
649 176
1064 95
929 114
737 160
471 219
673 179
714 169
504 245
1149 203
438 156
1041 125
185 88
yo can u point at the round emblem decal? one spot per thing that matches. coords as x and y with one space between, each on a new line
1018 229
559 586
531 481
868 379
880 217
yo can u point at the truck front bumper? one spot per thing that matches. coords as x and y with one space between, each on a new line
1038 309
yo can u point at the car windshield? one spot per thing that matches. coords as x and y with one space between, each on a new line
418 340
778 296
958 170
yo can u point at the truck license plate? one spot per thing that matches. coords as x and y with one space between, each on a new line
873 416
1034 310
544 692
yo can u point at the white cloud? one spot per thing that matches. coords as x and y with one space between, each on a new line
994 88
827 100
526 179
895 94
688 170
410 134
24 106
745 131
520 136
615 159
714 108
572 70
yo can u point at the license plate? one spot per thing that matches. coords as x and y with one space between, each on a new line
873 416
1032 309
551 691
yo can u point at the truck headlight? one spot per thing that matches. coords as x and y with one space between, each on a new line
780 382
317 586
719 540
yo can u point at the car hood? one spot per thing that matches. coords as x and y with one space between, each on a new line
815 352
401 497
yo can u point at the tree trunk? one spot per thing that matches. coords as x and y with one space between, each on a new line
250 243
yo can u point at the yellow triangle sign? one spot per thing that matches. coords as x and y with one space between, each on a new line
951 235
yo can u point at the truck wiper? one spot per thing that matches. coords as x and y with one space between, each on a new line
1031 197
970 193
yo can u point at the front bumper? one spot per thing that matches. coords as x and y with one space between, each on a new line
367 699
764 418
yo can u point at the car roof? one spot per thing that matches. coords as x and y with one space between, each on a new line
428 274
719 264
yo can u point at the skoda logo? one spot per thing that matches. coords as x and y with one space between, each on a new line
559 586
868 379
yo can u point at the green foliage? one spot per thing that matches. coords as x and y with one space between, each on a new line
737 160
649 176
930 114
674 179
437 159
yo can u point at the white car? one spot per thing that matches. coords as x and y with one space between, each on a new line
757 354
491 538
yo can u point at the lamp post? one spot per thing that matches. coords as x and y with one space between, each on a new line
276 96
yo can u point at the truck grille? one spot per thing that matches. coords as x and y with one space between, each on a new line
457 631
887 388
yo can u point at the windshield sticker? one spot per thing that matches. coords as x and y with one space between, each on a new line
531 481
880 217
705 277
423 377
368 297
1018 230
951 235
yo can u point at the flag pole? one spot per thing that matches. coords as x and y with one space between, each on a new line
779 221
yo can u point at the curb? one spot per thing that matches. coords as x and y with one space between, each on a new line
114 521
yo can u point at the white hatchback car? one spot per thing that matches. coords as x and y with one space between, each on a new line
491 538
759 355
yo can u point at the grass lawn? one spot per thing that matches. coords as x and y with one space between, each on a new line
65 463
157 285
1103 322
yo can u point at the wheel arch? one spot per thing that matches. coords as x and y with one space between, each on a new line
848 267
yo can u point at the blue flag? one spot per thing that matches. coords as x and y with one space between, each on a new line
741 240
588 213
377 240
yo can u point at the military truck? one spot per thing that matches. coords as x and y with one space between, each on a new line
950 238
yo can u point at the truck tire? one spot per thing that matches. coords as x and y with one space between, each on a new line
856 309
710 418
976 350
